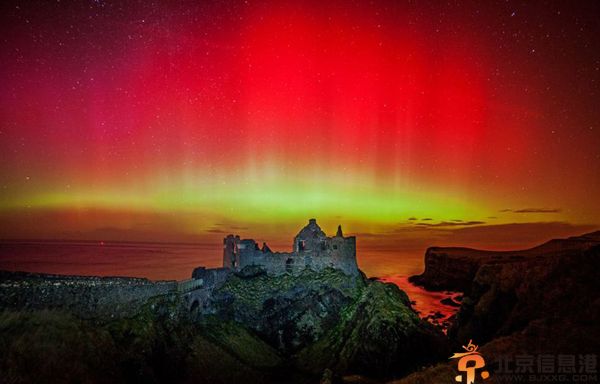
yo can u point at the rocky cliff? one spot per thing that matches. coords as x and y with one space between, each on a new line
545 301
557 280
288 311
253 328
332 321
454 268
450 268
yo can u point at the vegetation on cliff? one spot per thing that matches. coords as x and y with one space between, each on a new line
257 328
158 345
332 321
378 335
288 311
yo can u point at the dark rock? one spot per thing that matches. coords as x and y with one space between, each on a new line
510 296
454 268
288 311
378 336
547 302
436 315
448 269
450 302
330 320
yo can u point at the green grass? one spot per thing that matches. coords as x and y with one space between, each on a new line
253 292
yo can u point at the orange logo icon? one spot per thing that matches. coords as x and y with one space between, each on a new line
469 362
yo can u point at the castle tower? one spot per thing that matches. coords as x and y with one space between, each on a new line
339 232
230 250
310 238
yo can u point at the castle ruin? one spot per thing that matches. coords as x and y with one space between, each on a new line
312 249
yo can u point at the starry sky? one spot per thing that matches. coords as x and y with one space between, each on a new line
412 123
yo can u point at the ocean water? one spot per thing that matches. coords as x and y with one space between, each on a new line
152 260
158 261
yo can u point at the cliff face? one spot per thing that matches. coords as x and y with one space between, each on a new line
377 336
448 269
504 291
329 320
506 298
453 268
253 328
545 300
289 311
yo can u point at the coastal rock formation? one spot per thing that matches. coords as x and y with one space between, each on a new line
266 317
289 311
377 336
454 268
330 320
449 268
546 301
560 281
256 328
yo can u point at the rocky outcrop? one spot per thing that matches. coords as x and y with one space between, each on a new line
453 268
504 291
506 298
545 302
449 268
254 328
289 311
377 336
330 320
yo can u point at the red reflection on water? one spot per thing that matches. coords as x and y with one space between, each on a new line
428 304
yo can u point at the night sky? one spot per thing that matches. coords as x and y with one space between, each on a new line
411 123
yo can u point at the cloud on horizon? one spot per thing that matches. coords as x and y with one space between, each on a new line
533 210
453 223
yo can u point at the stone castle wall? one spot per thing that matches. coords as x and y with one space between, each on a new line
211 277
